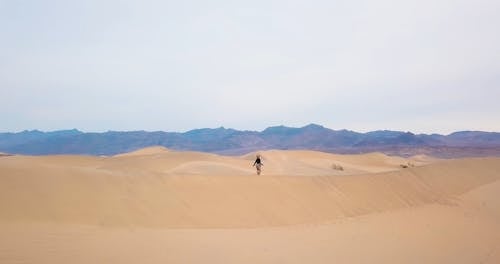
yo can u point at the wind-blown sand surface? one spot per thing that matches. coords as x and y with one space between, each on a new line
160 206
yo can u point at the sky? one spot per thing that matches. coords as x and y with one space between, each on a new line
421 66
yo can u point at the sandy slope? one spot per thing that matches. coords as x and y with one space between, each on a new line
161 206
154 150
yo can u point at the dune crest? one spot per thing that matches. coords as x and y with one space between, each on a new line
145 151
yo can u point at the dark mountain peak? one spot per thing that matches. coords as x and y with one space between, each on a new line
345 132
460 132
467 133
477 138
199 130
221 128
73 131
293 130
203 132
28 132
390 138
407 135
278 129
384 133
313 126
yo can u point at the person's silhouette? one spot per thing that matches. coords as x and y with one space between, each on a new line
258 164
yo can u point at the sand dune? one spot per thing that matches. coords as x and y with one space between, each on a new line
183 200
154 150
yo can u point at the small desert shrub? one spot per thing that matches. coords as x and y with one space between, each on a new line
408 165
337 167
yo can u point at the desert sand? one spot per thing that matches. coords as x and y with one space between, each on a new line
162 206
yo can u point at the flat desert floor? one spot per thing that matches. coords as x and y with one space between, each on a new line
160 206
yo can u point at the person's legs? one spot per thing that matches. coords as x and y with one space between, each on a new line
258 169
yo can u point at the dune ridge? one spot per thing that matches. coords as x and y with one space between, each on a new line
153 150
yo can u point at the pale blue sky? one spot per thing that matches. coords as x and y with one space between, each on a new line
422 66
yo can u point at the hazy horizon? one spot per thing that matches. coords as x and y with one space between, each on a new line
418 66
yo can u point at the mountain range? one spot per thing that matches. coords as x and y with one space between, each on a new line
234 142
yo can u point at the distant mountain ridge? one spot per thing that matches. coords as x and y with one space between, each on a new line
230 141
